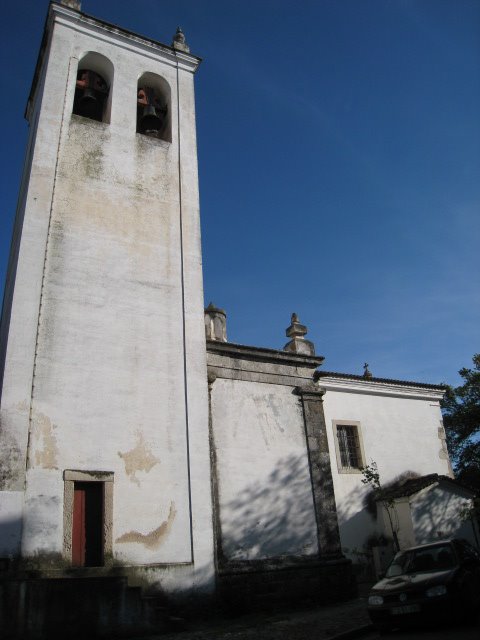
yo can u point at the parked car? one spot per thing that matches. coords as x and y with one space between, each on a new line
431 581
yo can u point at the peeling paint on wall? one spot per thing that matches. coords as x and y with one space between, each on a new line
140 458
12 464
46 450
155 538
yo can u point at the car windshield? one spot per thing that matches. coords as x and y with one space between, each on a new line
437 558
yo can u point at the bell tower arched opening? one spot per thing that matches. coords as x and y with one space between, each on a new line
154 107
93 87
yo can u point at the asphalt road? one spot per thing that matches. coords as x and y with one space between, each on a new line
471 632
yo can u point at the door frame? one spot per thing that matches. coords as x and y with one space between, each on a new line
70 476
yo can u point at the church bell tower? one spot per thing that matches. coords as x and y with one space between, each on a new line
104 394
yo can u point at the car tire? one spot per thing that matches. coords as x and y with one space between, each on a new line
383 629
468 609
470 616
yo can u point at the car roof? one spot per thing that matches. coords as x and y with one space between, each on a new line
432 544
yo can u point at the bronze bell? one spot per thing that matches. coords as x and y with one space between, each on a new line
88 103
151 114
150 122
90 94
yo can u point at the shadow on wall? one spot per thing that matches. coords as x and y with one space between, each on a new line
357 525
366 538
10 533
272 517
439 516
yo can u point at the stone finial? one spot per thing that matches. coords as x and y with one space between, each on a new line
179 42
73 4
298 344
366 372
215 323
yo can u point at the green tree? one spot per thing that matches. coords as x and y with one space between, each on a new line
371 478
461 417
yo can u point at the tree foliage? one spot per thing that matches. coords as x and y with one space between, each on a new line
461 416
371 478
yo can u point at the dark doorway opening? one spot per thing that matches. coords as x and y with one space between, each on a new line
87 525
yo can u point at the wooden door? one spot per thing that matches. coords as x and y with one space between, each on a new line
87 525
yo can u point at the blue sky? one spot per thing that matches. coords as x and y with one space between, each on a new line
339 160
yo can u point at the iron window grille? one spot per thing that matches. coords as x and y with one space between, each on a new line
349 446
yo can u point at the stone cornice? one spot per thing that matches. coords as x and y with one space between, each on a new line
82 18
310 392
257 354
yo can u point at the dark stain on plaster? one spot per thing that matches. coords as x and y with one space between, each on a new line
10 461
155 538
12 465
152 285
93 162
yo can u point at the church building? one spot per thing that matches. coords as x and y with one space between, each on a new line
144 458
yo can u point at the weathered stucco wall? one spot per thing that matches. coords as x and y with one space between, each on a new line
265 495
106 366
401 430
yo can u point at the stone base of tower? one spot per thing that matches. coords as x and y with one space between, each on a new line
36 609
40 608
260 586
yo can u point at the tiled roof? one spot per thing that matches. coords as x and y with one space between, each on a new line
351 376
414 485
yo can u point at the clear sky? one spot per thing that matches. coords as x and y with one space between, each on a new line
339 159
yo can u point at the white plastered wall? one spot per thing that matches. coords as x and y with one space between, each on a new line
400 427
264 488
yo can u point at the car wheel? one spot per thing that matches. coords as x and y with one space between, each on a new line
469 608
470 615
383 629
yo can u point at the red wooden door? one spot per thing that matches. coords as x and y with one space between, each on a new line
78 525
87 525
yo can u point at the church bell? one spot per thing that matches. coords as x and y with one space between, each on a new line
90 93
151 113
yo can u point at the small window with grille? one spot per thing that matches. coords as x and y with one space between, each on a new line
349 448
